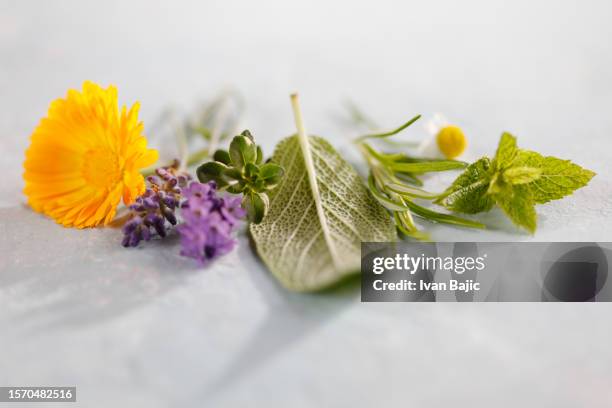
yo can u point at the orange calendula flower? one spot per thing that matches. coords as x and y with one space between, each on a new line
84 157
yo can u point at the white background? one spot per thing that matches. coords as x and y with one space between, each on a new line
145 327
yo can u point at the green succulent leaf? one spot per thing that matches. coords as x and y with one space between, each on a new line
271 174
247 133
251 170
256 206
239 171
232 175
212 171
222 156
259 185
242 151
236 188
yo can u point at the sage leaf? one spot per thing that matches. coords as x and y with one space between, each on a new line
319 214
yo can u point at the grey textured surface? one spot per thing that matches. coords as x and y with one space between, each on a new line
147 328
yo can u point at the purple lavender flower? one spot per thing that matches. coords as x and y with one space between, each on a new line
209 221
155 206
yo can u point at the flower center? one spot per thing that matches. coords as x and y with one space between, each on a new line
101 168
451 141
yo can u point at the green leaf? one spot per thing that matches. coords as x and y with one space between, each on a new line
443 218
232 175
256 206
251 170
319 215
212 171
518 203
222 156
515 180
237 188
521 175
425 167
496 183
271 174
242 151
381 157
247 133
558 178
506 152
410 191
392 132
383 199
468 193
240 169
409 178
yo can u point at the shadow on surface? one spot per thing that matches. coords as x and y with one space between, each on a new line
291 318
55 277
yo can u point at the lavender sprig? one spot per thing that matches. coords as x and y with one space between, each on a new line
156 206
209 221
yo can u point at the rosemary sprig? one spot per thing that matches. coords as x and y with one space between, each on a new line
394 181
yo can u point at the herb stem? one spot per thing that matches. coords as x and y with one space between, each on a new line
193 159
389 133
312 178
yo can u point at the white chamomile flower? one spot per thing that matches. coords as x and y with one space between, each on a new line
444 140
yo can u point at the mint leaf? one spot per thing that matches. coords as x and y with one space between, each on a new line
521 175
506 152
468 193
558 177
515 180
518 203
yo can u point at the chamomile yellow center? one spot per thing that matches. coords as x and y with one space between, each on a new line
451 141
